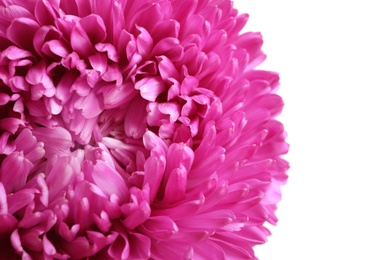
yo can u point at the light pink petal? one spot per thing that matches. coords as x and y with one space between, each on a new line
48 247
59 177
91 105
167 68
98 62
116 96
150 87
154 171
144 42
57 140
179 154
176 185
3 200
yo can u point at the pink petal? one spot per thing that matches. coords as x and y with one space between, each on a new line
21 31
57 140
154 171
20 199
94 27
116 185
176 185
14 171
150 87
144 42
160 227
135 120
80 41
120 248
8 224
59 178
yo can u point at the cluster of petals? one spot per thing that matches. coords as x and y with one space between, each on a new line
134 130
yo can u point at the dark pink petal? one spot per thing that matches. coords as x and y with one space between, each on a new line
79 247
80 41
21 31
44 12
103 221
135 120
10 124
67 233
162 29
20 199
8 224
94 27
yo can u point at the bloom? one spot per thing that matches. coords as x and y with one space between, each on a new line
134 130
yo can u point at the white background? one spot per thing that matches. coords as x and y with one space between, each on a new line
333 57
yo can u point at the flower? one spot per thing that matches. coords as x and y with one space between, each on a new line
134 130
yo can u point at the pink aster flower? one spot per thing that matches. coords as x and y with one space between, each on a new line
134 130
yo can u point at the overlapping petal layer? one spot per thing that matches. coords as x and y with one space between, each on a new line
135 130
